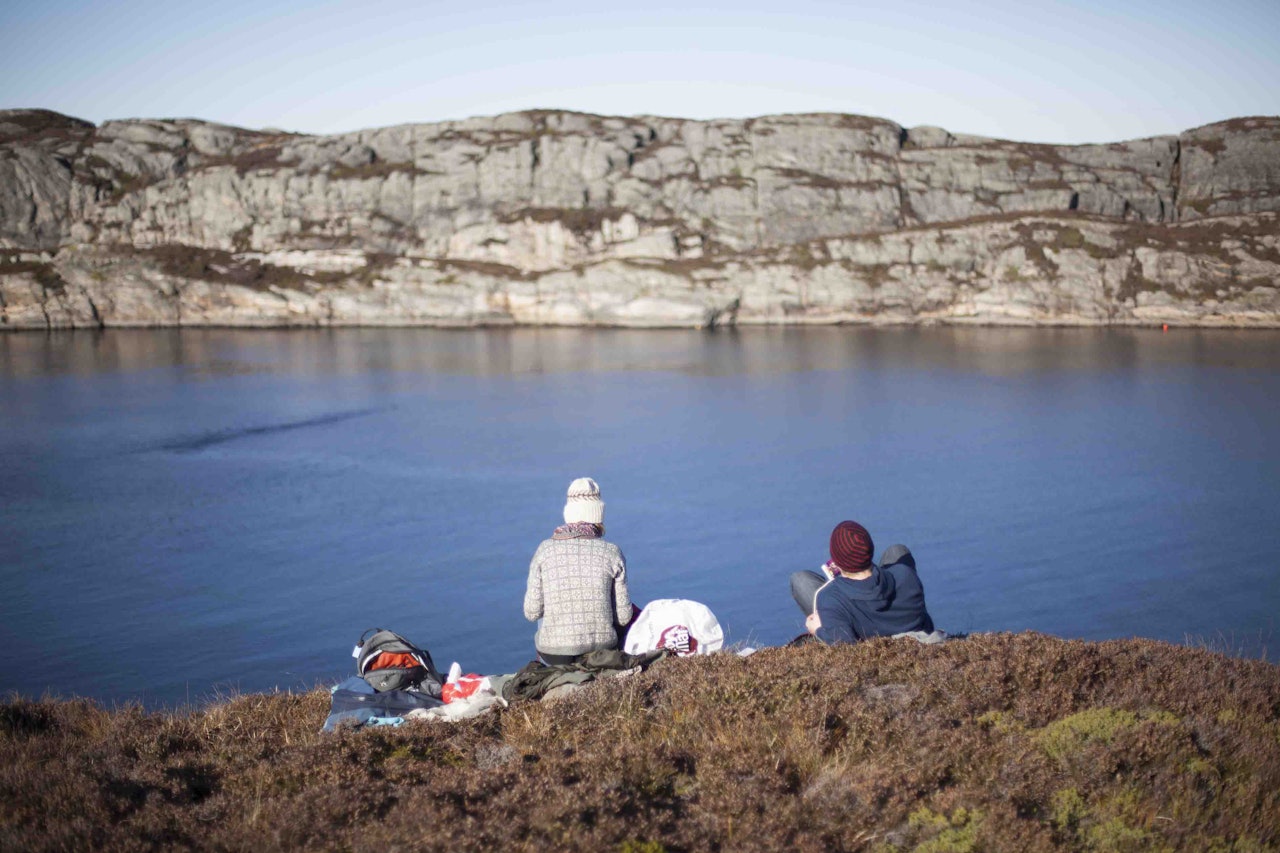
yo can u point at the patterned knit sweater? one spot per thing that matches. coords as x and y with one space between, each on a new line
578 588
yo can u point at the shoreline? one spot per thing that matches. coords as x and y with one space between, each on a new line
1225 324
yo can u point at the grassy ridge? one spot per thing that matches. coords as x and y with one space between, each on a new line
999 742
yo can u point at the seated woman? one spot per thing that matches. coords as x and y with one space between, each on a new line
856 599
578 582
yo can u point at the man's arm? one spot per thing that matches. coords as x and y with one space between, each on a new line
835 626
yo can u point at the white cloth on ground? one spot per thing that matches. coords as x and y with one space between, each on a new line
928 638
684 627
459 709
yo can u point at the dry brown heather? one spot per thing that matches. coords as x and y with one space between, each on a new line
1000 742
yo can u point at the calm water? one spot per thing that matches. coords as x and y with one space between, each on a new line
196 511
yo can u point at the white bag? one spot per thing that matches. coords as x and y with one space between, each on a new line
681 626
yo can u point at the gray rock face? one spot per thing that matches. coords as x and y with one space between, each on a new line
565 218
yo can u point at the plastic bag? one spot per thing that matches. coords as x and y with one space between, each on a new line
458 686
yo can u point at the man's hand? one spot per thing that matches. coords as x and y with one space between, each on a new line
812 623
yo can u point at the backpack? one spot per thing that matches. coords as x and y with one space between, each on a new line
390 662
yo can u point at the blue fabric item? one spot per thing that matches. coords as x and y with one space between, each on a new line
384 721
889 602
354 703
355 684
347 719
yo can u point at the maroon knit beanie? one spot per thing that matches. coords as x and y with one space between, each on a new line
851 547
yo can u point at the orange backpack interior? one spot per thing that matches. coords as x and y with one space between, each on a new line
385 660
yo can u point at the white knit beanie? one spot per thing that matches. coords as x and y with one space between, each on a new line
583 502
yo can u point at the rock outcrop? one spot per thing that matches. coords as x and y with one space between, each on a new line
564 218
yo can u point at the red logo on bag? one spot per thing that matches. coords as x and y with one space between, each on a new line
678 639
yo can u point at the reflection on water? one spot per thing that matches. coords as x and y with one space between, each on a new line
255 499
750 351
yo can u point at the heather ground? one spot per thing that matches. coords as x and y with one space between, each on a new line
998 742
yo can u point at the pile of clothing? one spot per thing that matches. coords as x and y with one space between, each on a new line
397 681
355 703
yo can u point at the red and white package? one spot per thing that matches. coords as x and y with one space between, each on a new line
458 686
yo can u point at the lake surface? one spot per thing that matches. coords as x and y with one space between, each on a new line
200 511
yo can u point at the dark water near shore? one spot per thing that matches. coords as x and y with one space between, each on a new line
185 512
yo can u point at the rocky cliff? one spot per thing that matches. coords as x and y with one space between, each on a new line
565 218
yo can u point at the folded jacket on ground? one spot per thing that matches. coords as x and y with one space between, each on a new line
537 679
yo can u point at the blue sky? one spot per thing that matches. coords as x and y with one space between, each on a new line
1066 71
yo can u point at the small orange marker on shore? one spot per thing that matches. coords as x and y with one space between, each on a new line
1165 327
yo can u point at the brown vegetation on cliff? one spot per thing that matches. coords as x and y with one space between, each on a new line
999 742
215 265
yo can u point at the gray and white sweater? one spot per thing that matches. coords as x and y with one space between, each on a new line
578 588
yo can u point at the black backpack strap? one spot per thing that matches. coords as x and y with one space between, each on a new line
429 664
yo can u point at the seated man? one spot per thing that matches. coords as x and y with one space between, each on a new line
858 599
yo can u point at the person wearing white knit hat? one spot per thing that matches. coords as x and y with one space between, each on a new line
578 582
583 503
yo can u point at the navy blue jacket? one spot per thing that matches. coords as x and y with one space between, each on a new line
889 602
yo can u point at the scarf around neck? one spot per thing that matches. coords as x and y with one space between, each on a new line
579 530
